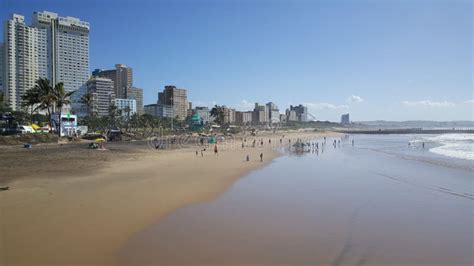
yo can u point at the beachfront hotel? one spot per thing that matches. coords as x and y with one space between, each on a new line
53 47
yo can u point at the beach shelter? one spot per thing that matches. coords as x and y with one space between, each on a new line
212 140
196 122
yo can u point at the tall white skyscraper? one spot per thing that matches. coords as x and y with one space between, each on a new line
54 47
24 59
68 48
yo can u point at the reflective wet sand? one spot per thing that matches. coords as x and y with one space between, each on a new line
355 205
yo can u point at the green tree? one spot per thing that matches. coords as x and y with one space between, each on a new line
147 122
40 97
44 92
88 100
30 99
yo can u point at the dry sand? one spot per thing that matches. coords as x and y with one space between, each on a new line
74 206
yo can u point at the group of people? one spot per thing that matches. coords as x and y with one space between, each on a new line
216 152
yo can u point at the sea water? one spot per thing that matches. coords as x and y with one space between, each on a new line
384 201
459 146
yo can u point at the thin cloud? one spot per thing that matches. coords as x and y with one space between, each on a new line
428 103
469 102
244 105
354 99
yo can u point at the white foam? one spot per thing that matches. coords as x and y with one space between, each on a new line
459 146
460 151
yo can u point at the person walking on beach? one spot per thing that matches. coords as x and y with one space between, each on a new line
352 143
261 157
202 152
215 150
248 157
243 145
423 145
197 154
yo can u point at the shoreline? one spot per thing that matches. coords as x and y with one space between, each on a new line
61 217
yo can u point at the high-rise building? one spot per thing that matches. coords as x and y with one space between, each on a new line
24 59
137 95
345 119
260 114
243 118
273 113
53 47
177 99
103 95
291 115
301 112
67 51
122 76
229 115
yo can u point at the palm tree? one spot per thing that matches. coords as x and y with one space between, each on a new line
87 100
40 95
30 99
61 97
218 113
44 90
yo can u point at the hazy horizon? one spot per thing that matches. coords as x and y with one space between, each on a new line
387 60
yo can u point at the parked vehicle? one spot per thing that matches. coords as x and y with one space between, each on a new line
25 129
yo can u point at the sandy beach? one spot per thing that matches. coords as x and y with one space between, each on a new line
69 205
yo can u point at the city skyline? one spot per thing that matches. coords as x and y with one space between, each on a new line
262 52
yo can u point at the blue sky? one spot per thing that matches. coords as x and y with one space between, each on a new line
391 60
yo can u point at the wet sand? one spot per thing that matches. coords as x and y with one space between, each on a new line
347 206
73 206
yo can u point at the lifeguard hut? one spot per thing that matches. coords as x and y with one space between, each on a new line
68 125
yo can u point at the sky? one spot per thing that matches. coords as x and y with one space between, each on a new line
377 60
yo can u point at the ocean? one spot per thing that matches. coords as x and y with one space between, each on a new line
387 200
459 146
